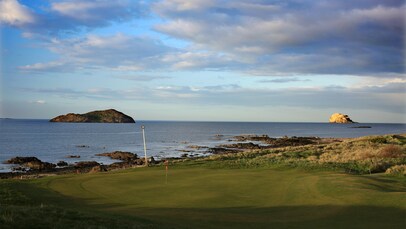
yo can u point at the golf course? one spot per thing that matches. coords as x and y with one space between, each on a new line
279 188
199 197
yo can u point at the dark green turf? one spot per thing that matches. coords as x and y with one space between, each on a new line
203 197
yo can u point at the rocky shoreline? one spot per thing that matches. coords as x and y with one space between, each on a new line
32 167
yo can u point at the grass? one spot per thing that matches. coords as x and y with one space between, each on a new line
202 195
291 187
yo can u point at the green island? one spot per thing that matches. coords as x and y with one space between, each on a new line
354 183
102 116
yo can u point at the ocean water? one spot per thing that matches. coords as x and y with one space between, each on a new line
53 142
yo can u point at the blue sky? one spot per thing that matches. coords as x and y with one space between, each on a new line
204 60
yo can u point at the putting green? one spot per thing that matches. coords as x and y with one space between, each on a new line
199 197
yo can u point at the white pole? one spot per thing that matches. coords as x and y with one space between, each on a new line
145 146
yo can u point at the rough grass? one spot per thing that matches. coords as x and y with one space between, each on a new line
364 155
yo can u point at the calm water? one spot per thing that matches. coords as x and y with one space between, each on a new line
52 142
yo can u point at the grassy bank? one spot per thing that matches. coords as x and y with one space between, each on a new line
365 155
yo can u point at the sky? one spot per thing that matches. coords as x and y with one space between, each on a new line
205 60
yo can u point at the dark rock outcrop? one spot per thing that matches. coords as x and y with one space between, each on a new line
259 138
39 165
86 164
270 142
32 163
220 150
98 168
21 160
127 159
119 155
62 163
105 116
248 145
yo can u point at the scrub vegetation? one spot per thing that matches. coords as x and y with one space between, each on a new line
365 155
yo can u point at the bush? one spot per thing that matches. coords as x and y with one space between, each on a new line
396 170
391 151
379 140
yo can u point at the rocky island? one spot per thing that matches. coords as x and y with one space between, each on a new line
340 118
104 116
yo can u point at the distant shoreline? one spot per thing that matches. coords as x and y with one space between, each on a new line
210 121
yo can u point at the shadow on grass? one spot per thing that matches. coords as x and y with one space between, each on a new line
24 205
324 216
384 184
42 208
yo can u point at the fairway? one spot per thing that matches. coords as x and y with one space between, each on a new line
199 197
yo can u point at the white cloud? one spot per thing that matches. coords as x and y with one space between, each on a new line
126 53
78 9
184 5
39 102
199 60
13 13
118 52
66 16
49 66
143 78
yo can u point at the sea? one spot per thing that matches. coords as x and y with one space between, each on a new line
54 142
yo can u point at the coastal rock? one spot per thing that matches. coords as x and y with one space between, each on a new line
260 138
62 163
197 147
104 116
97 169
39 165
86 164
270 142
22 160
291 141
340 118
248 145
126 164
119 155
32 163
220 150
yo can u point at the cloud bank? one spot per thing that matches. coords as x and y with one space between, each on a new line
363 38
316 37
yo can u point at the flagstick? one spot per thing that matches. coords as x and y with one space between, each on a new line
145 146
166 171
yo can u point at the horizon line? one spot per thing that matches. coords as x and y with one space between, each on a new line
235 121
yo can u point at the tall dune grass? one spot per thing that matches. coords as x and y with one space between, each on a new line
360 155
